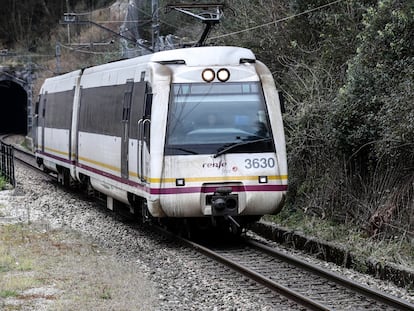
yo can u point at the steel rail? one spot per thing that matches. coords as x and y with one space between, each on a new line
28 159
293 295
282 290
332 276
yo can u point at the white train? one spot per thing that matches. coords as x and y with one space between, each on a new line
192 133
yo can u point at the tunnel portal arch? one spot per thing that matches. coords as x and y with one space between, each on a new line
15 101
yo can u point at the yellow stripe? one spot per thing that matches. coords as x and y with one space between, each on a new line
278 177
221 178
172 180
57 151
104 165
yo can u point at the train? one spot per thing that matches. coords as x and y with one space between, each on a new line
193 134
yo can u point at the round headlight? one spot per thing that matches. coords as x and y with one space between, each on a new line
208 75
223 75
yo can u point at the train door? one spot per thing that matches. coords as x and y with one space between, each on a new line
126 112
42 123
144 126
35 127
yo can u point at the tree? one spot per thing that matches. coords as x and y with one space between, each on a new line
25 21
375 114
374 117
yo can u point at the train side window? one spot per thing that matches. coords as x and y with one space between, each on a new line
148 102
127 101
148 105
44 106
37 107
282 102
126 108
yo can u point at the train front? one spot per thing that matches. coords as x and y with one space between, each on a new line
223 150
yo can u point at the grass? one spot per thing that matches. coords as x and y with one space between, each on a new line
3 183
65 271
396 249
16 262
8 293
105 293
14 284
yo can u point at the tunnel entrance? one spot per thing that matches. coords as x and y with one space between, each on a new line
13 108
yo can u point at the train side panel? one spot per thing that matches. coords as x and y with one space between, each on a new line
160 77
275 116
112 102
54 122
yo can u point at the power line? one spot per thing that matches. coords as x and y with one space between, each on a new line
276 21
87 52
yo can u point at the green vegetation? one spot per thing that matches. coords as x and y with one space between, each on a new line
397 249
8 293
3 183
346 70
16 262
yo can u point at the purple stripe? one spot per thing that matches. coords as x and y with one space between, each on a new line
114 177
266 188
180 190
56 157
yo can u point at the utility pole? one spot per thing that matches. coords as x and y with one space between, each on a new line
68 27
57 54
155 26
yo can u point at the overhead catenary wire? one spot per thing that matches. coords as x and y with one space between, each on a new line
87 52
218 36
276 21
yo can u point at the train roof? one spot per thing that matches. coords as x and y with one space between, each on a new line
205 56
63 82
197 56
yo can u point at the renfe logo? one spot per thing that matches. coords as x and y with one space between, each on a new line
217 165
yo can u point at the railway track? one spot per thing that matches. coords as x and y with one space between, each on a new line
304 283
24 156
299 281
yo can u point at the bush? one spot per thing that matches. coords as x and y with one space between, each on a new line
374 117
3 183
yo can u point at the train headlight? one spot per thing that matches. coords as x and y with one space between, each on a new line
223 75
262 179
180 182
208 75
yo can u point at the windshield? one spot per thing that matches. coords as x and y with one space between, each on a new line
204 118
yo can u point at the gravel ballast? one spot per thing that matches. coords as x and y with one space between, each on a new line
163 275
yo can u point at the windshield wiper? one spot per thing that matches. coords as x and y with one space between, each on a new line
226 148
183 149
